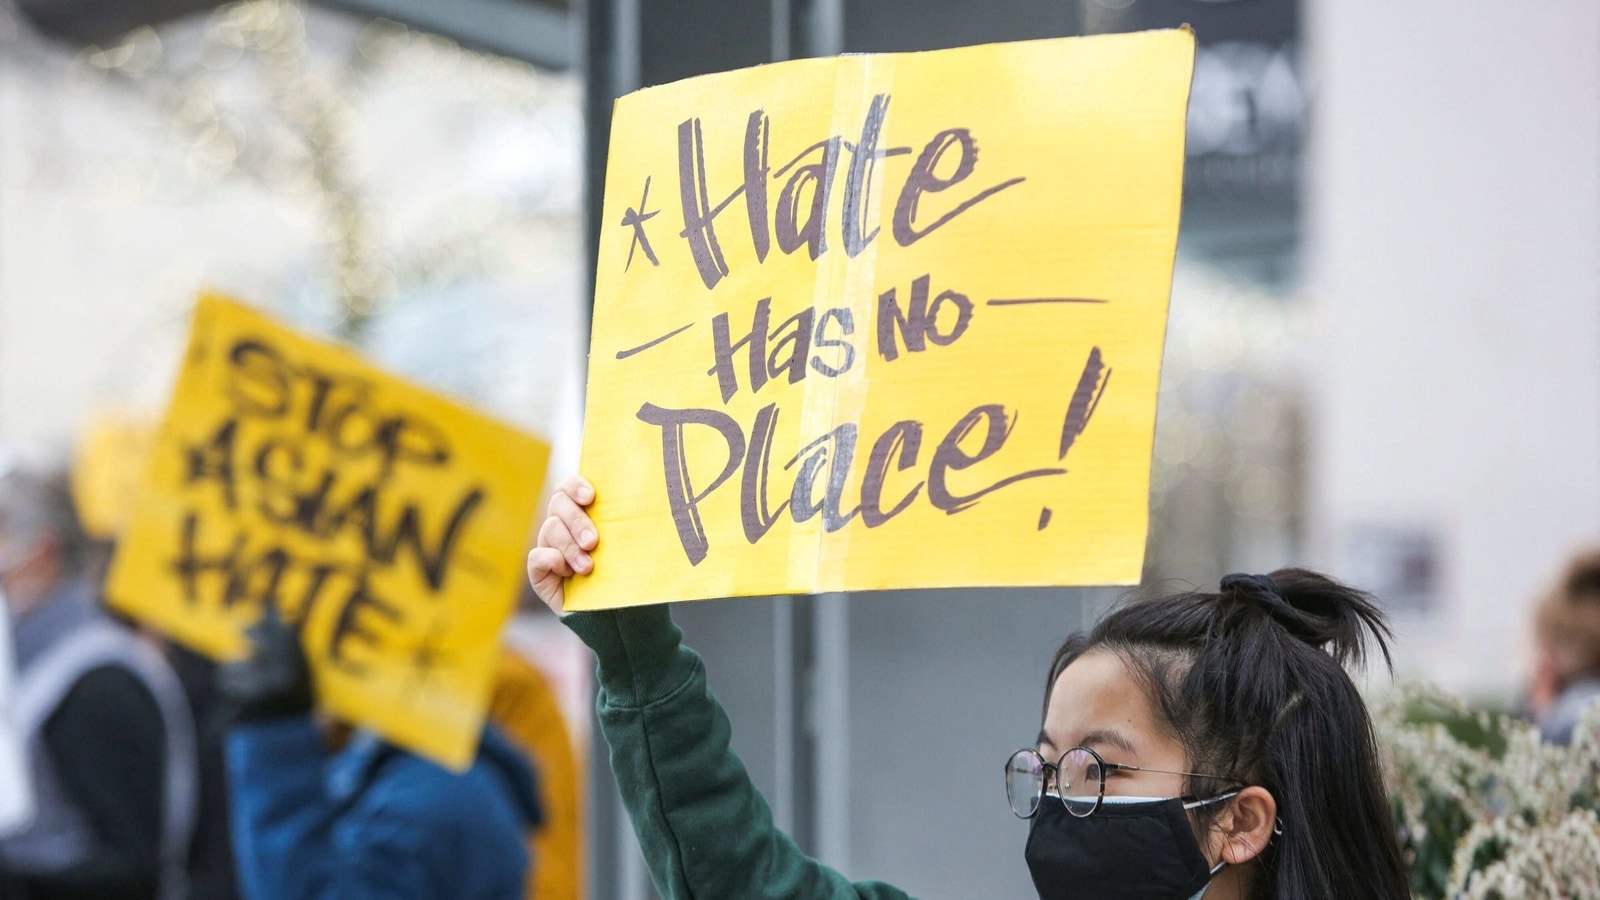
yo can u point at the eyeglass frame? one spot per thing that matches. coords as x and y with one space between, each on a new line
1047 767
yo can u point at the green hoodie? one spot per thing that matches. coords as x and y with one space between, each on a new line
706 832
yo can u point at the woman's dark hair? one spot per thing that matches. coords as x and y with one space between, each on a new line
1251 681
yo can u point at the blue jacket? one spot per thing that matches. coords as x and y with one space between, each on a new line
374 821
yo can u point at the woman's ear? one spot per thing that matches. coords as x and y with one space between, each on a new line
1242 831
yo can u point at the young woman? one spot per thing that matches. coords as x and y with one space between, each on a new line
1201 743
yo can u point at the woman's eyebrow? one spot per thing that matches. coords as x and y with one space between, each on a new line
1108 737
1044 739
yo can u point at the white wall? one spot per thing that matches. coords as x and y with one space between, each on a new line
1454 238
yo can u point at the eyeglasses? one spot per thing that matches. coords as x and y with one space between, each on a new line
1079 780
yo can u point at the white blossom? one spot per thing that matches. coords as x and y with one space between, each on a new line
1501 817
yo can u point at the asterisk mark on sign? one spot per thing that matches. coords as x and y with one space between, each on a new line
635 218
428 657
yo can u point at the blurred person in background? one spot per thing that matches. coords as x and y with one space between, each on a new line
102 515
322 812
211 870
107 729
524 706
1566 677
16 792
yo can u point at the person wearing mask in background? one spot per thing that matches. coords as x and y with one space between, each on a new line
1202 743
109 735
323 814
1567 649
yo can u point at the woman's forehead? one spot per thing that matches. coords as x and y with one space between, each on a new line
1097 694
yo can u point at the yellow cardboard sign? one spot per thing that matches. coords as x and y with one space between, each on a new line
885 321
390 522
106 468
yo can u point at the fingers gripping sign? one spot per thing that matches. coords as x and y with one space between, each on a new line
566 539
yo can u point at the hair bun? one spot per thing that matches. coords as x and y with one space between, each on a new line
1263 591
1262 585
1315 609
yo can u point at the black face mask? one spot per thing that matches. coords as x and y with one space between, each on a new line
1125 851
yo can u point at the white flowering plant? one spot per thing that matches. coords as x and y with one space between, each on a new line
1485 809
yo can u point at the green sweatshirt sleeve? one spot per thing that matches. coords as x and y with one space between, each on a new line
706 832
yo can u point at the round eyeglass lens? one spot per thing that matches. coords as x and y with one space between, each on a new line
1024 782
1080 781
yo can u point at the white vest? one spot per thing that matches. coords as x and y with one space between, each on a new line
58 836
